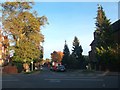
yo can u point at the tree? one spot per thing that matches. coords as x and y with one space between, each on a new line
102 28
24 26
66 52
105 44
77 49
77 54
57 56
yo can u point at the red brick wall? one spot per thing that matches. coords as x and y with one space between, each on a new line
10 70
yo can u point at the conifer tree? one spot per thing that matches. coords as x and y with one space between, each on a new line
66 52
77 49
76 55
104 42
102 28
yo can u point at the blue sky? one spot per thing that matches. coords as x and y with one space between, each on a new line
68 19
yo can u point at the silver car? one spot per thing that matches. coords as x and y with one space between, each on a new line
61 68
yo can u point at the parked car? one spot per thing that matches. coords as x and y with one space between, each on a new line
53 68
41 67
61 68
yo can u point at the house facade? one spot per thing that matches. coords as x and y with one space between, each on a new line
92 55
115 35
3 48
116 31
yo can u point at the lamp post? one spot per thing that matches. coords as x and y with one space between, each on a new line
31 65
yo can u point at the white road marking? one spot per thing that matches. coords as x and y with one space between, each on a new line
82 77
72 77
78 79
9 80
54 80
5 79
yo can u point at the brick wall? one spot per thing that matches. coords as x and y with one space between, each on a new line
10 70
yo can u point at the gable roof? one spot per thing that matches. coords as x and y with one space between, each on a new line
115 26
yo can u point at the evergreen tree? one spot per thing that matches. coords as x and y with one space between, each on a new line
77 49
104 42
77 54
66 52
102 28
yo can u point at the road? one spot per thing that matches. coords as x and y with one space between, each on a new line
69 79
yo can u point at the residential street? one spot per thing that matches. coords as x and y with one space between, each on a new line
62 44
69 79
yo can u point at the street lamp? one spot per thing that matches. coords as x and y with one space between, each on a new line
31 65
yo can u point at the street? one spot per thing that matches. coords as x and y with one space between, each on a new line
69 79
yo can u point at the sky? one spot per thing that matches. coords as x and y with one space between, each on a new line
70 19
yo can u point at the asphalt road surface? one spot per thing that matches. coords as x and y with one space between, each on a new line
69 79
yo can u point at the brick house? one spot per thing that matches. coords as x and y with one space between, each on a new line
3 47
116 31
115 27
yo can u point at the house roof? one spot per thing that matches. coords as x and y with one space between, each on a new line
116 26
92 42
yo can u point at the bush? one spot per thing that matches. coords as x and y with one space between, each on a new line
19 66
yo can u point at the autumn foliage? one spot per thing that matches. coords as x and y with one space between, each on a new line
57 56
24 27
